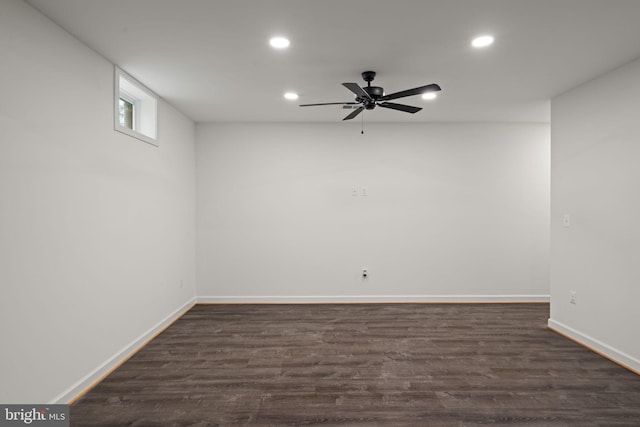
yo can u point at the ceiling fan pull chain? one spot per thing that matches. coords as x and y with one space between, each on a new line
362 123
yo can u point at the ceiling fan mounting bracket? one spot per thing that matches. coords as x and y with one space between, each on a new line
368 76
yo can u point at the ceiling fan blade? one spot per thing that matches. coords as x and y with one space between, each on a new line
410 92
353 114
329 103
400 107
355 88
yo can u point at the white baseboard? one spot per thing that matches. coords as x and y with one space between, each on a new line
81 386
596 346
336 299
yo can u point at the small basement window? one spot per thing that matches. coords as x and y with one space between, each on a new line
126 112
136 108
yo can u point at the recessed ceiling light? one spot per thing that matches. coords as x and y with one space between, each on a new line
482 41
291 95
279 42
429 95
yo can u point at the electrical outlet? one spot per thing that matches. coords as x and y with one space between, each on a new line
365 273
572 297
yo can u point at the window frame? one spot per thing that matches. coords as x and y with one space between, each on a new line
145 107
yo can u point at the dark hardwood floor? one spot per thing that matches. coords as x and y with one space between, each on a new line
363 365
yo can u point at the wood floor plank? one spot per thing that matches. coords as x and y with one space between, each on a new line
363 365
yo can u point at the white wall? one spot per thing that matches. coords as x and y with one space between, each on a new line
96 228
595 179
454 212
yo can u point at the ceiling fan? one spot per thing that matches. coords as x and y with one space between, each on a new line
369 97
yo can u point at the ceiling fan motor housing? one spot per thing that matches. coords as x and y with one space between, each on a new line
374 91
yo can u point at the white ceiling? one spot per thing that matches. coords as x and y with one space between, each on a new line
211 58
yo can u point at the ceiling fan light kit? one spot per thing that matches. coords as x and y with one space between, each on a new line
370 97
